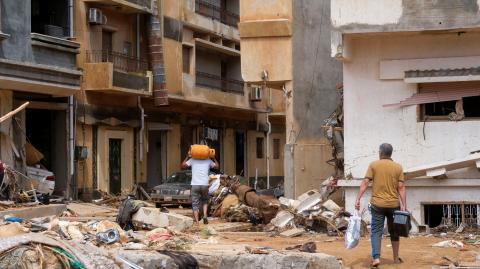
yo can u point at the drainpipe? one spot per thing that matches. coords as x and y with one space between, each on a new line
71 188
268 151
70 18
140 132
160 95
71 140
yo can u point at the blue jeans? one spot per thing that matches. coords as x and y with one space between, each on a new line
377 224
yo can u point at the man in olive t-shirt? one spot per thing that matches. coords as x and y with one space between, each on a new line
387 186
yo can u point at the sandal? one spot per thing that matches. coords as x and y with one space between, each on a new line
400 260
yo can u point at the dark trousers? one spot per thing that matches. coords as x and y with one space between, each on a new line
378 221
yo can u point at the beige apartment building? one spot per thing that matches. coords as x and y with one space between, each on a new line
158 77
203 98
114 57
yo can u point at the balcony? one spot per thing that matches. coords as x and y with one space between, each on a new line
126 6
218 83
113 72
215 12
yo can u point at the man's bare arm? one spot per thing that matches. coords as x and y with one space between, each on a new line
403 195
363 188
216 165
184 164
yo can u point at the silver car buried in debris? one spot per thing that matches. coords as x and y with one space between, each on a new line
175 190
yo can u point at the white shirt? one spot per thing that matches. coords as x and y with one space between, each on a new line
200 170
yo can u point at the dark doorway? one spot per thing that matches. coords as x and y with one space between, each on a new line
107 45
115 165
186 140
156 165
240 153
46 130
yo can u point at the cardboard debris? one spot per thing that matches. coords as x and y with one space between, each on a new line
12 229
33 155
293 232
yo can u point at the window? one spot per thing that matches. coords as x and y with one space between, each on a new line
467 107
276 148
51 18
186 59
259 147
459 100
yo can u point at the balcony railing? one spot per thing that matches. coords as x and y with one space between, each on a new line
216 82
207 9
120 61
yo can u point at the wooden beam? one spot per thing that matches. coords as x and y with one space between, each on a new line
472 160
48 105
12 113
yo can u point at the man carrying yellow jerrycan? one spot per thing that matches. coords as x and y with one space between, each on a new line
200 158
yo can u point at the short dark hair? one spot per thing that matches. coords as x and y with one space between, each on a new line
386 150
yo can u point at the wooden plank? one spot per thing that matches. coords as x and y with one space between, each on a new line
469 161
13 112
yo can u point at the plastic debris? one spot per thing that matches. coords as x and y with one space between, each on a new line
449 244
108 236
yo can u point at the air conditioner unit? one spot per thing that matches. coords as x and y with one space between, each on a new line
256 93
95 16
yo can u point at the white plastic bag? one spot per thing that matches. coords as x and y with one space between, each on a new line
352 236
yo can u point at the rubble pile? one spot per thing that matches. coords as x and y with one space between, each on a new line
312 211
236 202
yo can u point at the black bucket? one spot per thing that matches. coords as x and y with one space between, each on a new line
401 223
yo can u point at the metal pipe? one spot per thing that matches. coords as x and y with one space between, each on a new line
71 140
268 151
140 132
70 18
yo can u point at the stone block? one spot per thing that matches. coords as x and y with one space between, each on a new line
154 218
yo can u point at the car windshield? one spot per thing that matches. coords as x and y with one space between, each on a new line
180 177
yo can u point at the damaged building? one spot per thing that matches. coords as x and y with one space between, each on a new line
410 79
203 98
285 48
38 65
114 57
159 76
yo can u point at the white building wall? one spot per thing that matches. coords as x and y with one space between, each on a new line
419 192
368 124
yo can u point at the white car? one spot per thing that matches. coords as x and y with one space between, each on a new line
44 178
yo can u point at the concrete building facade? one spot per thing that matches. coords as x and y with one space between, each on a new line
109 115
38 65
399 62
205 100
286 48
